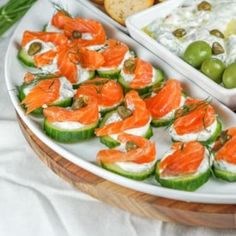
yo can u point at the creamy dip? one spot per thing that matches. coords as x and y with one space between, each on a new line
197 25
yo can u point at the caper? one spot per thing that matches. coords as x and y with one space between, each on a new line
124 112
130 146
217 48
204 6
217 33
179 33
80 103
129 65
76 34
34 48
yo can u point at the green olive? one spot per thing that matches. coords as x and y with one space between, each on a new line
179 33
197 52
204 6
229 76
214 69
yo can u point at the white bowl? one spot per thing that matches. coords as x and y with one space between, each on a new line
136 22
84 154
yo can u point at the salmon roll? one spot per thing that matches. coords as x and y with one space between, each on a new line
186 166
225 156
135 158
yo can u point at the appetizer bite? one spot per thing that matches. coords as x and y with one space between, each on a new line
135 158
39 49
73 124
164 101
224 165
139 75
108 93
132 118
195 121
38 92
187 166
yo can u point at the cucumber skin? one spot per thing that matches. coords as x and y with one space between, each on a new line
69 136
225 175
136 176
142 91
39 111
25 59
91 76
190 183
110 74
160 123
212 138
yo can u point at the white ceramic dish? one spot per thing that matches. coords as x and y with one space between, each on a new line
136 22
83 154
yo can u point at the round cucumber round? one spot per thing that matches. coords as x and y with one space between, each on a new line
186 183
224 174
132 175
109 141
126 85
69 136
110 74
25 58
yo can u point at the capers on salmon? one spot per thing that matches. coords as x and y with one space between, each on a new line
130 146
34 48
129 65
204 6
179 33
124 112
217 48
80 103
76 34
217 33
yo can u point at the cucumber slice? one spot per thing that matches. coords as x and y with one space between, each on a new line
25 58
186 183
104 111
132 175
160 122
69 136
110 74
224 174
91 76
159 78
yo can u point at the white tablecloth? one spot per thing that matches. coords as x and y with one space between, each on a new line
36 202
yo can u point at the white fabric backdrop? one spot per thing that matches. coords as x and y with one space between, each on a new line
35 202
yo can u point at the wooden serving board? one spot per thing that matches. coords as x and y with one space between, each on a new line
209 215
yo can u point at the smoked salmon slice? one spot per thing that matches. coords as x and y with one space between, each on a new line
196 116
185 159
60 19
85 32
143 74
45 58
165 100
85 115
114 53
44 93
139 117
108 93
55 38
144 153
228 151
66 65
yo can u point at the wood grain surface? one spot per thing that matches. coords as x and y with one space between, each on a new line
145 205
